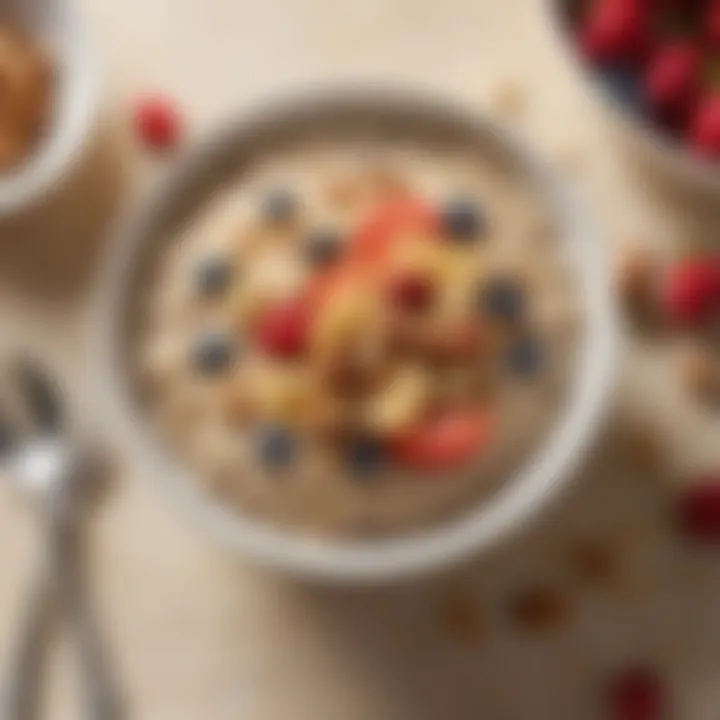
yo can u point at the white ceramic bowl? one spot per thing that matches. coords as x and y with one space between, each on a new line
650 145
74 102
222 155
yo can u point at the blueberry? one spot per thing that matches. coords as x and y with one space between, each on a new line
463 220
212 276
213 352
323 247
279 206
276 447
503 299
365 457
624 85
526 357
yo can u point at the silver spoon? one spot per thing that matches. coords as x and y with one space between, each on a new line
59 475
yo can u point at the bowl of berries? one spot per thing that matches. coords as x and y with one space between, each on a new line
657 64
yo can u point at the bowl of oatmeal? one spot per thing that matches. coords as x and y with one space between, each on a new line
48 97
357 335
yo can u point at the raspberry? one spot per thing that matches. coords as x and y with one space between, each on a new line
158 123
698 510
712 25
704 128
412 293
283 330
616 31
692 291
636 694
672 80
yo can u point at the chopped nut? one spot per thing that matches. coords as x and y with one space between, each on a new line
637 283
508 98
701 375
594 562
539 609
641 449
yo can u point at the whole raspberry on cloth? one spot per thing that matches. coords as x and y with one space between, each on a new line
158 123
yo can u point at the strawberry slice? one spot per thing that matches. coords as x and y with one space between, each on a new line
393 221
442 441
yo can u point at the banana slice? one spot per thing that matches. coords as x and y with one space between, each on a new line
402 402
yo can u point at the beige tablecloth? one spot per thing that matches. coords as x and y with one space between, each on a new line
197 635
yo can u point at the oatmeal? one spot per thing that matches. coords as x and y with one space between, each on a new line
360 340
25 75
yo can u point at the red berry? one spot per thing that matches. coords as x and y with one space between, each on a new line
615 31
158 123
282 331
444 441
412 293
698 510
712 25
636 694
672 79
692 291
705 127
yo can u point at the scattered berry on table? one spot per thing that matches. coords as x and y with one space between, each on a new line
213 276
463 220
502 299
698 509
323 247
637 694
412 293
282 329
279 206
213 352
158 123
277 447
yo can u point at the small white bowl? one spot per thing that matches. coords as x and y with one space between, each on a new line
649 144
390 113
74 101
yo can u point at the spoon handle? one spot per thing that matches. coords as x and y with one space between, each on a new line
101 696
24 682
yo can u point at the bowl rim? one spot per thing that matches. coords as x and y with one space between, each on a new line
55 156
701 173
446 544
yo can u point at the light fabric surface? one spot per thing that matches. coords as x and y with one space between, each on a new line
196 634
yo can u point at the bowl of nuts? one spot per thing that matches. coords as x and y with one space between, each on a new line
357 335
48 90
656 64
